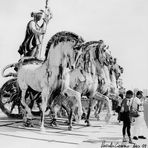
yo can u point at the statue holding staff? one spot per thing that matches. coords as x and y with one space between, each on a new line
32 44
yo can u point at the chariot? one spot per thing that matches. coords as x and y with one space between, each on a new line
10 94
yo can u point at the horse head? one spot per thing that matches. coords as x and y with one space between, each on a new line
115 72
87 54
61 49
118 71
101 55
78 51
77 77
107 55
73 51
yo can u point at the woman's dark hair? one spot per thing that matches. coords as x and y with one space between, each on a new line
139 93
121 95
129 92
32 14
36 15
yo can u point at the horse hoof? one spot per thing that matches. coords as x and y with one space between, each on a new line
70 128
31 125
96 115
98 119
107 119
67 123
43 129
87 123
28 123
53 123
83 117
25 125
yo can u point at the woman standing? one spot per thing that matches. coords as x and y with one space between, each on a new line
125 108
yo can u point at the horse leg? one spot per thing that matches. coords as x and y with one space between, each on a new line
70 119
99 108
84 113
79 103
54 111
45 93
84 107
88 113
106 100
108 115
72 93
28 114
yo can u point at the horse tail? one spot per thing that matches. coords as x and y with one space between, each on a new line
9 74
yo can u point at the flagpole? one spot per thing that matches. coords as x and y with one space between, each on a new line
47 15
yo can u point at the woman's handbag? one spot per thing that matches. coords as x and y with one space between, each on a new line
133 112
121 113
118 109
121 116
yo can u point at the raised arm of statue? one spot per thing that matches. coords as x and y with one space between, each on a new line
48 15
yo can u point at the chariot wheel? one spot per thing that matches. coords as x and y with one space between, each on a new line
10 96
10 99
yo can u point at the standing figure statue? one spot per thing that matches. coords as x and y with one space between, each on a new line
32 44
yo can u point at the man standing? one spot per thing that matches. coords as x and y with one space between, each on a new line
138 105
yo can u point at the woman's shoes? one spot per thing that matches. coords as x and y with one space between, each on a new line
130 140
135 138
141 137
124 139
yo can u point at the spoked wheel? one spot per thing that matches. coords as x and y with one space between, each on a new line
10 99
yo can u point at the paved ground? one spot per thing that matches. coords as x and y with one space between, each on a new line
100 134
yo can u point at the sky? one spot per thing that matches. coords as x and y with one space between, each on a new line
122 24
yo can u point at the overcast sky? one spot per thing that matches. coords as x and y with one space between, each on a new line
122 24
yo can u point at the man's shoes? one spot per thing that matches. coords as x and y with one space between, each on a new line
141 137
135 138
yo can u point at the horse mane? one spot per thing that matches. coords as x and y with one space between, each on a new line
61 37
31 61
88 51
89 43
97 43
